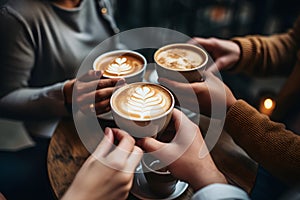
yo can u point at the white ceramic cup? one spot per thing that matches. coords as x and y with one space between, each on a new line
181 62
152 125
114 60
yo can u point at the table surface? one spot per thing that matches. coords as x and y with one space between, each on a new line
66 155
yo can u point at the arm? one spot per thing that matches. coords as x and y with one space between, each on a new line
254 55
19 100
267 142
17 57
276 54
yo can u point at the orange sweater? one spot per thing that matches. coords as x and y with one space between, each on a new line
267 142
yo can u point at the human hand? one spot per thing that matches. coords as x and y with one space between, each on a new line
2 197
195 165
202 96
108 172
225 53
90 90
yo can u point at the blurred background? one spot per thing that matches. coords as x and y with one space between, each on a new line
217 18
203 18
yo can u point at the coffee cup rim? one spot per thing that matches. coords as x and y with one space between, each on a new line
116 52
142 120
191 46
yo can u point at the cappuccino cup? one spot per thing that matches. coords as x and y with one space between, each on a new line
181 62
142 109
160 181
126 64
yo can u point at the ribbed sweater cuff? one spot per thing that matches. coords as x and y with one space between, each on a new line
246 48
240 119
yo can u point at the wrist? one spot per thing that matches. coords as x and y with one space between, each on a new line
236 57
208 178
68 91
231 102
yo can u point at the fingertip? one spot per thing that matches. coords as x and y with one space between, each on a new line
138 150
192 41
108 133
121 81
107 130
98 73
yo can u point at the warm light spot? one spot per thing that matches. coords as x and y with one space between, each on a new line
268 103
104 10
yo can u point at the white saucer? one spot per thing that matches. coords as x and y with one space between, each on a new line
141 190
107 116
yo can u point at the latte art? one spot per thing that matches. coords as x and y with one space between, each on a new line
145 102
142 101
119 64
119 67
179 59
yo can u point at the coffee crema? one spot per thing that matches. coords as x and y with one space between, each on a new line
179 59
143 101
121 65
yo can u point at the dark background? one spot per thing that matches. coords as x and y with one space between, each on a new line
216 18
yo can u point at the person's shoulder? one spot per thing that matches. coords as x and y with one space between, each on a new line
27 9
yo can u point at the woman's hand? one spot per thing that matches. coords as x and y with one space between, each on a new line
202 96
91 93
225 53
192 161
108 173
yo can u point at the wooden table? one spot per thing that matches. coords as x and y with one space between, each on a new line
66 154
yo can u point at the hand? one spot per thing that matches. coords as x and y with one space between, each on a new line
225 53
201 96
2 197
89 90
108 173
195 165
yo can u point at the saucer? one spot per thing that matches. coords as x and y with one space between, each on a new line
141 190
106 116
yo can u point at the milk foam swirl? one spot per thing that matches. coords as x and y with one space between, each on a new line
119 67
179 59
145 102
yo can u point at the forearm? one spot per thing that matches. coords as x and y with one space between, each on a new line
30 103
267 142
262 55
267 55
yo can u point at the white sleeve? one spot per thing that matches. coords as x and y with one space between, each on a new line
220 192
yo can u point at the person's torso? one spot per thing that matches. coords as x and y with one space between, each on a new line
61 38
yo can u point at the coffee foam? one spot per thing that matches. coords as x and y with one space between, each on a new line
121 65
143 101
179 59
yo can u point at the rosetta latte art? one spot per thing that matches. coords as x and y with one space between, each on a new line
146 103
119 67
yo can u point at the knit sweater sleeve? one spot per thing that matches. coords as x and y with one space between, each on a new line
268 55
267 142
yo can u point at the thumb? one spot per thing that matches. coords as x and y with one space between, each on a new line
150 144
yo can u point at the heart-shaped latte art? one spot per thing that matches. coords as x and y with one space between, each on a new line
145 102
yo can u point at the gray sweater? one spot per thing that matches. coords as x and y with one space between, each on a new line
42 46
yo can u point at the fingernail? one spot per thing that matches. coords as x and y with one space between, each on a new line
121 81
98 73
106 131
